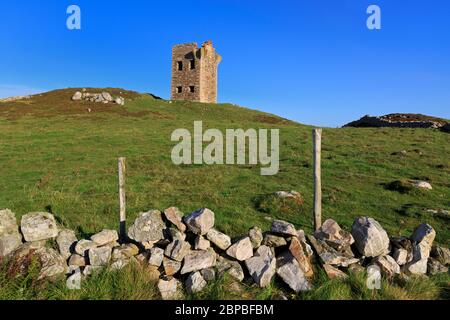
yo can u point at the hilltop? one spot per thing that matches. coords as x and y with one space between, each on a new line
58 156
58 153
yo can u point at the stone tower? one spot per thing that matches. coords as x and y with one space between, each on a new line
194 72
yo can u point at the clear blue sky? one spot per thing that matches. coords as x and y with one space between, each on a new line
311 61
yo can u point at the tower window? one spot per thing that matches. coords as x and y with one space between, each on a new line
180 65
179 89
192 89
192 64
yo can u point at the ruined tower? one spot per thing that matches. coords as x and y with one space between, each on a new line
194 72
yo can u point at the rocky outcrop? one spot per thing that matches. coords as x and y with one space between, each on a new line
399 120
16 98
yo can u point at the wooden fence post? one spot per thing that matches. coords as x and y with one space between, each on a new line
317 141
122 225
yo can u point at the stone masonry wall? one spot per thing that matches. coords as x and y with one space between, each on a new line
187 77
203 77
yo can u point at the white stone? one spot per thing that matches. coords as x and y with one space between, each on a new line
289 270
91 270
388 265
256 237
262 266
66 241
83 246
8 223
334 235
201 243
177 250
195 282
284 228
221 240
200 221
37 226
77 96
422 185
175 216
120 101
422 238
230 267
170 289
197 260
99 256
400 256
171 267
241 250
371 239
73 282
288 194
125 251
107 97
156 257
148 227
77 260
104 237
9 243
52 264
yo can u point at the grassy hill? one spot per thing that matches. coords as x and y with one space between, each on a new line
56 156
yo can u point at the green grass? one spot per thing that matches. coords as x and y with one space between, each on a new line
57 157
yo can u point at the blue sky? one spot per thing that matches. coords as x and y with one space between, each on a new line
311 61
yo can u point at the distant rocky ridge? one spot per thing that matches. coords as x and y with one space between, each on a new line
400 120
17 98
176 248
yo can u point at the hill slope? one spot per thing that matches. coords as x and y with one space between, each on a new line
57 156
60 155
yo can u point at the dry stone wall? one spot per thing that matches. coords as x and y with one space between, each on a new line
194 72
183 253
